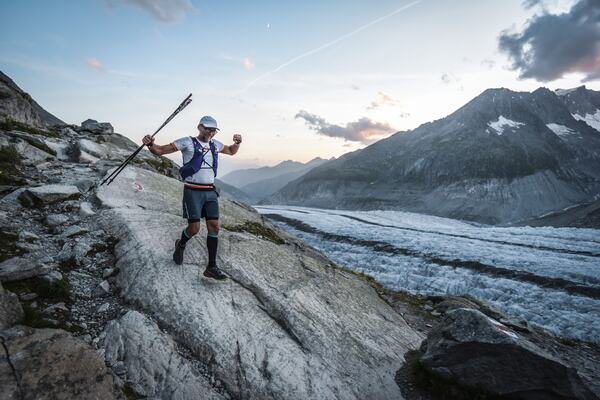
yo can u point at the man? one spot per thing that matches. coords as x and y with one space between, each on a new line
200 199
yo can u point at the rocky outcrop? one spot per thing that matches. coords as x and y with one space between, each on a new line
288 325
93 126
476 351
17 105
146 359
11 311
48 194
51 364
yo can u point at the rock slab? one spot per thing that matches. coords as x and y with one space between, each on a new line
77 372
475 350
139 351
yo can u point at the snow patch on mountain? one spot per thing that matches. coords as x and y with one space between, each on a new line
561 130
501 123
592 120
564 92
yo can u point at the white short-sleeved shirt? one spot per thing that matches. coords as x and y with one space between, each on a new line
205 175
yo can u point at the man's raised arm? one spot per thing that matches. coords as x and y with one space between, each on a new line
156 149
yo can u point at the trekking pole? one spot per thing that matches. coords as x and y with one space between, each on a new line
108 180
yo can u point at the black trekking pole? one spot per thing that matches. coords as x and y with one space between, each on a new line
108 180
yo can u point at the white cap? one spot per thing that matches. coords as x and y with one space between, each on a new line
208 122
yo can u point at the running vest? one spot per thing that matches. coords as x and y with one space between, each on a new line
194 165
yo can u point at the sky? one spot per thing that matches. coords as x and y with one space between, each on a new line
298 80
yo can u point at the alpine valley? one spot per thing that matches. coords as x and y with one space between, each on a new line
503 158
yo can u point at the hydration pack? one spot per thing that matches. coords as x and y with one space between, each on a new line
194 165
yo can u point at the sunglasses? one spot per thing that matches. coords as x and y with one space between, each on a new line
211 130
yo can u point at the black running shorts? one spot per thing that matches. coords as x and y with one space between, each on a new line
199 204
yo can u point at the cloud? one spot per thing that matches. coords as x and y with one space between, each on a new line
163 10
364 130
552 45
93 63
449 78
383 100
488 63
248 64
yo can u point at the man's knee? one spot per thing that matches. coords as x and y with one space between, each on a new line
193 228
212 225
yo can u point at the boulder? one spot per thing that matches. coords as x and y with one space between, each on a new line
85 210
53 220
476 351
146 359
49 194
96 127
11 311
17 268
52 364
287 324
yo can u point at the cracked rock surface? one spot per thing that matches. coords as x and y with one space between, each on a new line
286 325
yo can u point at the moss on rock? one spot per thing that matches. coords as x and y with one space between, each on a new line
256 229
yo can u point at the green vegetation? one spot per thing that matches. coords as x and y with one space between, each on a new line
10 124
442 388
162 165
34 318
9 161
8 248
40 145
256 229
59 291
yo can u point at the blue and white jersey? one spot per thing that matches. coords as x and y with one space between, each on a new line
205 174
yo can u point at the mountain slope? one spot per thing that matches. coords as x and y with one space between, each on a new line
504 156
262 182
19 106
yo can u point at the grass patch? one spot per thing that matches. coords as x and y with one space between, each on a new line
443 388
10 124
163 164
9 161
34 318
257 229
8 248
40 145
59 291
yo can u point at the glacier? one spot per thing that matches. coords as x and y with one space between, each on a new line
548 276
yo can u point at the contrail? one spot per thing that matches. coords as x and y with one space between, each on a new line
329 44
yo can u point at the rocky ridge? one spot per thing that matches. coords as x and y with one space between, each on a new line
502 158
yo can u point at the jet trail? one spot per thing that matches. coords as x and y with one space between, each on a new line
329 44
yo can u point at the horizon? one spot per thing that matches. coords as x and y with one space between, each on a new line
287 77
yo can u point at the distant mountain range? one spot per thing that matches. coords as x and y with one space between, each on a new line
259 183
503 157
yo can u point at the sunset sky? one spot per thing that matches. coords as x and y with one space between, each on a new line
297 79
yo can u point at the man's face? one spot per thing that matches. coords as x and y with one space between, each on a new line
206 134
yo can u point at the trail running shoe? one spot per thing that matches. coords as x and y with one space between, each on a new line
178 253
214 273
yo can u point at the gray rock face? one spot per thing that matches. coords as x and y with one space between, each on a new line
48 194
17 268
287 325
146 358
76 372
94 126
11 311
503 157
19 106
478 351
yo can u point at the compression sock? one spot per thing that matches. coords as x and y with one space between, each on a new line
212 241
185 236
